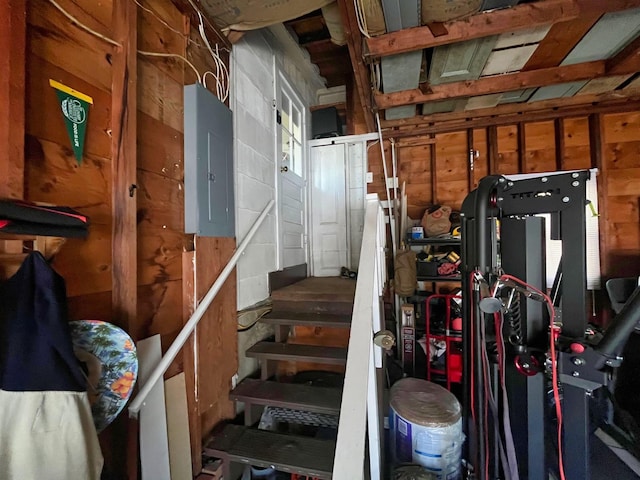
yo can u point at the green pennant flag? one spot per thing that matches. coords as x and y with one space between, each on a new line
75 109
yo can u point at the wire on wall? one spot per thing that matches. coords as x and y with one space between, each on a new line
172 55
360 17
81 25
166 24
111 41
221 74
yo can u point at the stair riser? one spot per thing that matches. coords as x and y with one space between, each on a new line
284 468
299 358
338 308
293 406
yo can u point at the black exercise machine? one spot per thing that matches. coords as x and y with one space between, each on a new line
530 369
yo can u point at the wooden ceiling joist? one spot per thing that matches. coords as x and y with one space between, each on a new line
511 114
525 16
559 41
506 83
360 70
626 60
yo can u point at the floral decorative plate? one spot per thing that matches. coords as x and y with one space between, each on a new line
110 358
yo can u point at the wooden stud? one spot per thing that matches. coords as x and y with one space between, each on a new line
492 149
596 149
123 161
522 148
123 151
361 75
496 84
190 365
13 22
471 153
217 332
558 128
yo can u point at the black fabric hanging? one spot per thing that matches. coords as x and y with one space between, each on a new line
36 352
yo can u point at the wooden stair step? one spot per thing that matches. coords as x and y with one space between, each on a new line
314 306
288 395
307 319
286 453
316 294
299 353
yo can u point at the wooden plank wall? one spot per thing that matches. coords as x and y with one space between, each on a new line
57 49
441 173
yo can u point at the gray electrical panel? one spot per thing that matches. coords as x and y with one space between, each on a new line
209 209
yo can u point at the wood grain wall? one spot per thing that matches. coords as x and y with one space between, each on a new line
442 172
173 270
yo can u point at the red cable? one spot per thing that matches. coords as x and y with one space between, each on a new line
554 365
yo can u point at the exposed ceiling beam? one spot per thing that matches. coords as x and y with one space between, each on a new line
628 58
506 83
360 70
509 114
483 24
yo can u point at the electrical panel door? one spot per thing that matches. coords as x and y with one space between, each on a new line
208 164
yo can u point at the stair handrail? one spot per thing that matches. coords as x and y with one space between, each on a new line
181 339
361 396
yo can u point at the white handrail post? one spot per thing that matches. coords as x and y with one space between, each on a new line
191 324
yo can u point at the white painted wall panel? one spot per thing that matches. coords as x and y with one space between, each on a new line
522 37
508 60
607 37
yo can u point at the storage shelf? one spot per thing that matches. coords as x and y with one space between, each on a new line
454 278
433 241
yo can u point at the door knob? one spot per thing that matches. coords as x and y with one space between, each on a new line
284 169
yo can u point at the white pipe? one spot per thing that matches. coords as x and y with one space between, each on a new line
392 222
396 203
182 337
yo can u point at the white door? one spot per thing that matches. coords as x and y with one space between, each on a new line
292 247
329 210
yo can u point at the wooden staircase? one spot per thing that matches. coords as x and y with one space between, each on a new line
315 307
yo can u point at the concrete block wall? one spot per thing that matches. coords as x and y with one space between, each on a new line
254 126
252 101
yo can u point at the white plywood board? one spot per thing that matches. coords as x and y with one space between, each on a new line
483 101
398 113
460 61
154 444
607 37
508 60
444 106
522 37
557 91
175 391
517 96
401 72
602 85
